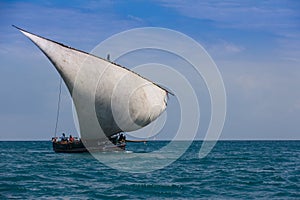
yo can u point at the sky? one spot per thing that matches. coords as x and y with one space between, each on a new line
255 44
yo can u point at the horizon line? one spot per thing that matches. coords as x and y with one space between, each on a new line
166 140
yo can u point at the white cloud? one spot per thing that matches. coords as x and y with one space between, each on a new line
289 46
275 19
138 19
92 23
223 48
237 14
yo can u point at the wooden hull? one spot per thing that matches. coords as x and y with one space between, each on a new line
78 147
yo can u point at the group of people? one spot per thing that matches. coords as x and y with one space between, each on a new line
119 138
63 138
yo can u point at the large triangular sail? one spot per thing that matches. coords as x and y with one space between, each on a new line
108 98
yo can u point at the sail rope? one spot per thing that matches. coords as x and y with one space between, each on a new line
58 106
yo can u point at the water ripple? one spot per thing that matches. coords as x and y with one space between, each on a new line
233 170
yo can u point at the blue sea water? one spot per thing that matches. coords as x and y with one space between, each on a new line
232 170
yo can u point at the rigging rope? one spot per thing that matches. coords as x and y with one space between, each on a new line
58 107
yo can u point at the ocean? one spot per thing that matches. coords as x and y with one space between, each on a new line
232 170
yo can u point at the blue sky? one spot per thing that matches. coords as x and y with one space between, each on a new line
255 44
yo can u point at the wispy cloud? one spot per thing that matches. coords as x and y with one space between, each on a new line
277 19
135 18
224 48
92 23
237 14
289 48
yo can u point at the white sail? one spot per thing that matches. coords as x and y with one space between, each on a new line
108 98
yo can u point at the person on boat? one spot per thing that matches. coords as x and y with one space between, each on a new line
63 137
122 138
71 139
54 139
114 139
